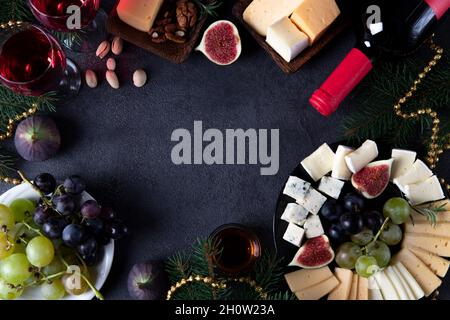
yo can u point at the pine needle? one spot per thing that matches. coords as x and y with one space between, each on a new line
431 212
209 8
14 10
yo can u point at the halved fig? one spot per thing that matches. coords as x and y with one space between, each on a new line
315 253
373 179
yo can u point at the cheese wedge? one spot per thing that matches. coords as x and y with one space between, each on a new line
261 14
425 191
304 278
409 279
319 290
342 291
437 245
409 292
354 289
403 161
340 170
140 14
417 173
363 289
440 230
427 280
441 216
398 285
436 264
362 156
387 289
319 163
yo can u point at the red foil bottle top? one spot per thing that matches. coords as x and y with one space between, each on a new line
341 82
439 7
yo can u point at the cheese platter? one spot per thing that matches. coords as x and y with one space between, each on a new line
363 223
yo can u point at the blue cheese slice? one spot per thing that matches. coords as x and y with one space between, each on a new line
426 191
417 173
296 188
313 227
331 186
313 201
294 213
403 161
294 234
319 163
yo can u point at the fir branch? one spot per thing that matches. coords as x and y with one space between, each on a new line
7 163
209 8
286 295
431 212
14 10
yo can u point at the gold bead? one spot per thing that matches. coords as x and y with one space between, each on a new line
397 107
427 69
436 121
433 114
440 151
183 281
432 63
420 111
402 100
409 94
417 82
7 180
197 278
399 113
431 153
435 129
16 181
422 75
438 56
413 114
428 110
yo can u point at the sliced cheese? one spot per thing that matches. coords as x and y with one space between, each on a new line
294 213
318 291
261 14
409 279
375 294
436 264
286 39
331 186
425 191
294 234
387 289
314 16
354 289
140 14
319 163
405 284
437 245
440 217
313 201
305 278
417 173
398 285
363 289
362 156
340 169
403 161
342 291
427 280
440 230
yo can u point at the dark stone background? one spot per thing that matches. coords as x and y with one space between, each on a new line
119 141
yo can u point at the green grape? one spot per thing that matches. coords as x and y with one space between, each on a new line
56 266
6 217
363 238
392 234
19 248
347 255
366 266
397 209
22 208
74 284
380 251
15 269
6 246
40 251
53 290
17 231
8 291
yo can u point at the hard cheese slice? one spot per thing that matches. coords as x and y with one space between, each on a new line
261 14
319 290
437 245
340 169
286 39
319 163
363 289
403 161
441 217
140 14
342 291
314 16
440 230
436 264
354 289
305 278
417 173
425 191
427 280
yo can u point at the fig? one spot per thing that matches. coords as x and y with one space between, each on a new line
221 43
37 138
315 253
373 179
148 281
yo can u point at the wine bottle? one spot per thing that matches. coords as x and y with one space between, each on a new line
387 30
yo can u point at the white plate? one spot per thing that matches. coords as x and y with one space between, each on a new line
101 270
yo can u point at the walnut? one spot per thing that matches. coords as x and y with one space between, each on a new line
186 13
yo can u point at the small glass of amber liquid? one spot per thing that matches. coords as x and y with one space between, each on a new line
239 249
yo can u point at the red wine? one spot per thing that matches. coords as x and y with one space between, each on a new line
53 13
404 26
32 62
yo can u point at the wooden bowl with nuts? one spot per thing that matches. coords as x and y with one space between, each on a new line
174 34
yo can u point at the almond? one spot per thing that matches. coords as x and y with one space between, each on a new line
139 78
91 79
111 64
112 79
117 45
103 49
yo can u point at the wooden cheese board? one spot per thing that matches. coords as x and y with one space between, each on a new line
174 52
341 24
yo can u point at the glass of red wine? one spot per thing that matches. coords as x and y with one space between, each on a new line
80 24
32 63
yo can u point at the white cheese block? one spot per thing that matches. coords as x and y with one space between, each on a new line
417 173
294 213
286 39
403 161
374 290
261 14
340 169
294 234
313 201
426 191
362 156
398 285
331 186
140 14
409 279
405 284
296 188
313 227
319 163
385 285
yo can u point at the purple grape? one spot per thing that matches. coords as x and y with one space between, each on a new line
108 214
116 230
336 234
74 185
54 227
94 226
45 182
41 215
90 209
73 235
373 220
64 204
354 202
352 223
331 211
88 247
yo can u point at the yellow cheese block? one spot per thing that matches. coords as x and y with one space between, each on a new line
140 14
441 216
319 290
304 278
342 291
313 17
354 290
363 289
261 14
437 264
427 280
437 245
441 229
